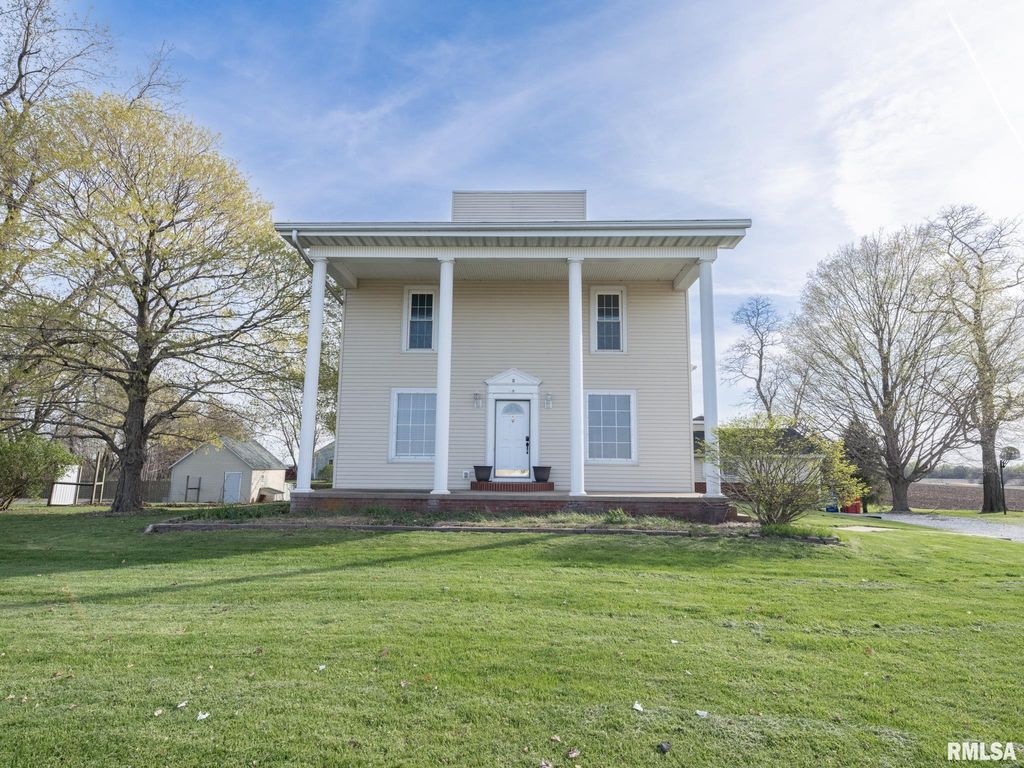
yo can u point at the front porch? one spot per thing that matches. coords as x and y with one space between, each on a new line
539 345
693 507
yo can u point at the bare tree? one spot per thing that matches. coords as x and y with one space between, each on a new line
754 357
794 382
185 294
981 290
877 352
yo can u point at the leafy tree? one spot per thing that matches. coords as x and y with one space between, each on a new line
865 455
47 54
981 291
782 473
44 55
878 352
183 293
27 463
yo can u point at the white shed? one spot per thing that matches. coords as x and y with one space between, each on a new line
228 471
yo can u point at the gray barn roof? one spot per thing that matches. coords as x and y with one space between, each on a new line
252 454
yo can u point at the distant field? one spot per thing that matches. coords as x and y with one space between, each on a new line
955 494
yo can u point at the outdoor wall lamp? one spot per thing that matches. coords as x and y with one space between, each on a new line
548 400
477 400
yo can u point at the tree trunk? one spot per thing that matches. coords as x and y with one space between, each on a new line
128 497
900 487
992 488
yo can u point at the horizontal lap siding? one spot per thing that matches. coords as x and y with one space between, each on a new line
501 325
656 365
372 364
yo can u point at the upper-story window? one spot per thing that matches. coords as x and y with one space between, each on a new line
419 329
607 319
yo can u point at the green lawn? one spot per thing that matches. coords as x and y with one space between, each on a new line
476 649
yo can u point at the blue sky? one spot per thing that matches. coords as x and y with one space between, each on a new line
820 121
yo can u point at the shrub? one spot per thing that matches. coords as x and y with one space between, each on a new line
326 473
790 531
616 516
781 472
27 464
238 511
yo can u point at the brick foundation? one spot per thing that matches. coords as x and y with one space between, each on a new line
689 507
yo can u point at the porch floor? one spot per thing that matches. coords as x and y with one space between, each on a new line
694 507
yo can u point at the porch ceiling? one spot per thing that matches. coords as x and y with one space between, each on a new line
468 268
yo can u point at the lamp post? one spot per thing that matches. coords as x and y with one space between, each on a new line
1006 455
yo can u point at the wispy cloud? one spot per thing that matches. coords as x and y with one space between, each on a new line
821 121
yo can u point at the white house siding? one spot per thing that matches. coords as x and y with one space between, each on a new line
657 366
373 363
498 325
210 464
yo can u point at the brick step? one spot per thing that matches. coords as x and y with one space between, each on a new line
510 487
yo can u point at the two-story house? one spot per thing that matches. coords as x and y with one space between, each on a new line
517 337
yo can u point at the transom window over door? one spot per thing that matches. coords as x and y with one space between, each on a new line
419 331
611 427
607 319
413 420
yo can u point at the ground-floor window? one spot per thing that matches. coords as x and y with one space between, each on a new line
611 427
412 424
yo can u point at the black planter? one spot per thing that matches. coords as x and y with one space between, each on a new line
541 474
482 472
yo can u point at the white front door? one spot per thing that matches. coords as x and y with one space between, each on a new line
512 438
232 487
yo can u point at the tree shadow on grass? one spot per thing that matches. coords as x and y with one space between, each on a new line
37 544
49 543
673 553
275 574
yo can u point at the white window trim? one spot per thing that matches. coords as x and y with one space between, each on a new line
604 289
633 447
393 428
407 311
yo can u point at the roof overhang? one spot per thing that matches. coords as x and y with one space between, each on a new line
658 249
717 233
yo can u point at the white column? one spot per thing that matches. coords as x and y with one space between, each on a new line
576 436
311 381
444 374
709 373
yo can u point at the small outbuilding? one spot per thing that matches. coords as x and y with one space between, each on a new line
321 458
228 471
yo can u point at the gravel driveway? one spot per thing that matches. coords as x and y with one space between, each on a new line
960 525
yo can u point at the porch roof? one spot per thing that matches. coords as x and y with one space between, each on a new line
669 233
531 250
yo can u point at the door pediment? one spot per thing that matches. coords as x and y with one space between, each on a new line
513 377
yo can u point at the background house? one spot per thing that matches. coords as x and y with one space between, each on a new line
321 458
228 471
